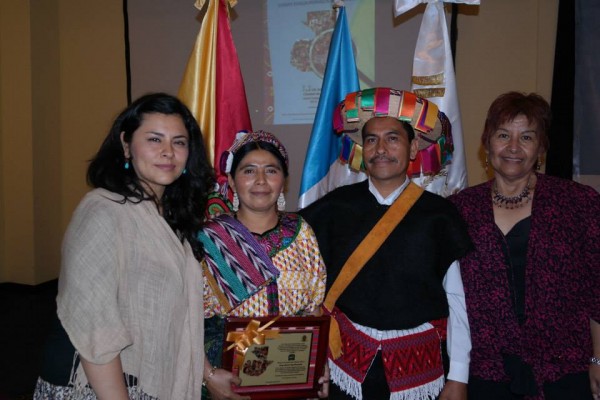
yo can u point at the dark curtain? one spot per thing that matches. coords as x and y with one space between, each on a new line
127 53
586 119
559 161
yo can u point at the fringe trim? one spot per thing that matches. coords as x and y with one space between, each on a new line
345 382
428 391
353 387
391 334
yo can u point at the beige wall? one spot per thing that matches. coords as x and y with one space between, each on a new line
63 81
503 45
16 193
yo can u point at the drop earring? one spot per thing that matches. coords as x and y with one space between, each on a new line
236 202
281 202
126 166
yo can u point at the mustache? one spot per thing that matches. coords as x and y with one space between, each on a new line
382 158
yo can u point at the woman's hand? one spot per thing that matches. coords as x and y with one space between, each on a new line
595 380
324 382
595 368
219 385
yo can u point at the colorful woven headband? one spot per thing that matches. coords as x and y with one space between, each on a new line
243 138
431 126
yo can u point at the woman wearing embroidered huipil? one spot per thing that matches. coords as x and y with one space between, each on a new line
532 284
277 248
130 280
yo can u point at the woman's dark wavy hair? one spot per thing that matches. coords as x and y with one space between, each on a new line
183 201
509 105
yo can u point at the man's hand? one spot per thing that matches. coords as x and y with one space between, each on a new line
454 390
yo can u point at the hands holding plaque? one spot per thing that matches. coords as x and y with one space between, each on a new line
284 361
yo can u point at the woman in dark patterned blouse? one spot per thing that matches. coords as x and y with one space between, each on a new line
532 284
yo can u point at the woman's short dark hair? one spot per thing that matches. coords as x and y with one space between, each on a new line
509 105
183 201
239 155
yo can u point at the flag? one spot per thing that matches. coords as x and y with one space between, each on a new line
433 78
213 86
323 171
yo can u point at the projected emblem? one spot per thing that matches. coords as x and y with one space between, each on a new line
311 54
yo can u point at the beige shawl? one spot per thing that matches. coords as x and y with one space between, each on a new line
128 287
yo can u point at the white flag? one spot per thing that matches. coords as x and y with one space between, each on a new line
433 78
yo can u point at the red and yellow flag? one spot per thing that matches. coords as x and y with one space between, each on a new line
212 85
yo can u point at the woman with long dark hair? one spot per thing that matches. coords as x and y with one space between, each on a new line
130 286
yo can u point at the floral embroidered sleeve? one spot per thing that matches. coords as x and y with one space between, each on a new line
211 304
317 266
301 284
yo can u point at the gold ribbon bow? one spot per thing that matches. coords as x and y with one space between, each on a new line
253 334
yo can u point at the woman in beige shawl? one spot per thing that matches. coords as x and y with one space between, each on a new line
130 287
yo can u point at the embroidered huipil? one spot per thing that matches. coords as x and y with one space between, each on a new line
294 252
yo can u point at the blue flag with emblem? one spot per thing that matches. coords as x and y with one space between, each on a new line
323 171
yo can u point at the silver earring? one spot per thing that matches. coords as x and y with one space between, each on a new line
236 201
281 202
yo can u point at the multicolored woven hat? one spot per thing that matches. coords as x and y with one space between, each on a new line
431 125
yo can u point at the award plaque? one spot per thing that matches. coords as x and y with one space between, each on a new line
277 358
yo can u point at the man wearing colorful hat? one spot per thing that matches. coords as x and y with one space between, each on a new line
393 288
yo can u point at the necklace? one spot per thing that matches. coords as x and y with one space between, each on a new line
511 202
